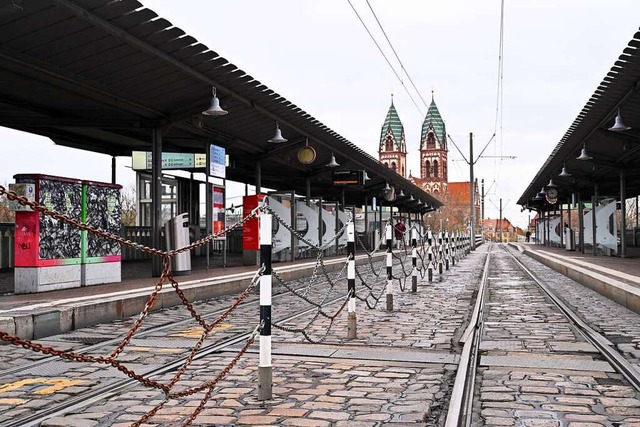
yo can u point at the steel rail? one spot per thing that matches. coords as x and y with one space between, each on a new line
459 412
144 332
604 346
85 399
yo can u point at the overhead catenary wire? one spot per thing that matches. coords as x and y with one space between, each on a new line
386 59
396 54
499 95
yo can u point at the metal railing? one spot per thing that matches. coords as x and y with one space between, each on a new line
141 235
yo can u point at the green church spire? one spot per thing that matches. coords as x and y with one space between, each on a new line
392 122
434 119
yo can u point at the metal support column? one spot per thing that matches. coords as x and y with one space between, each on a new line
473 194
562 223
623 214
156 200
113 169
581 223
294 226
594 227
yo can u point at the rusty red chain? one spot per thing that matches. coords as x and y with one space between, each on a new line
166 276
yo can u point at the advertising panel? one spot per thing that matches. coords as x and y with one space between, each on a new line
250 228
218 211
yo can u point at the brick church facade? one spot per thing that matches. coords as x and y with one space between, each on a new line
433 178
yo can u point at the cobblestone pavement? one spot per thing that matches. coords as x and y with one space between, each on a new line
618 324
398 383
535 370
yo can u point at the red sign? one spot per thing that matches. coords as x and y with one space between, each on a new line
250 239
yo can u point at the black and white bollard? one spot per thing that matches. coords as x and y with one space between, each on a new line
351 281
430 257
414 260
265 374
389 236
440 252
447 250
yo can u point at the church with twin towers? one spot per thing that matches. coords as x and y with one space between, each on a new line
433 174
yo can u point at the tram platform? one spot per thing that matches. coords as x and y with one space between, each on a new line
614 277
39 315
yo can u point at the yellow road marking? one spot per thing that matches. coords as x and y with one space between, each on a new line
55 385
197 332
8 401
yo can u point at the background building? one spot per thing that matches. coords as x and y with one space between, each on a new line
433 178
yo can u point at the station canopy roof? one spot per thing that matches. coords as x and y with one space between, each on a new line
99 75
612 151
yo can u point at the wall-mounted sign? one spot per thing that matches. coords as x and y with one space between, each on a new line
142 160
348 177
217 161
306 155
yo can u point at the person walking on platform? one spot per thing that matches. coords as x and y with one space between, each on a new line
399 230
528 236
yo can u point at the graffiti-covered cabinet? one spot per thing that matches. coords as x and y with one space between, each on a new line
50 254
100 257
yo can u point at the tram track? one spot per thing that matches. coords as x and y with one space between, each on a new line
101 392
460 411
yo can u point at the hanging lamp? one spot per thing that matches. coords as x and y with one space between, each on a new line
277 138
332 163
583 154
214 109
619 125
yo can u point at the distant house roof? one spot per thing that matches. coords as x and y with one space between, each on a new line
459 192
494 224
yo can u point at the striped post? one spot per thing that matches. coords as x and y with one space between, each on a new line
447 250
265 374
351 281
414 260
430 256
389 265
454 248
440 252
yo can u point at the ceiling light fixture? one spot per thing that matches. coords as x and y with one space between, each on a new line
277 138
214 109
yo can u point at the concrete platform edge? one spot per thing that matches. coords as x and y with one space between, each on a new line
613 289
84 312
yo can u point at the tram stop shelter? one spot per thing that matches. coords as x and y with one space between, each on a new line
578 190
113 77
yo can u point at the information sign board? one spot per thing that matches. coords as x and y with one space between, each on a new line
217 161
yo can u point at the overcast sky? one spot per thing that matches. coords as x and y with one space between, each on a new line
318 55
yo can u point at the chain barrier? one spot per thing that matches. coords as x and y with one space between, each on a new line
303 330
166 276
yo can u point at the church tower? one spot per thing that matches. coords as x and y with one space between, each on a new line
433 151
392 151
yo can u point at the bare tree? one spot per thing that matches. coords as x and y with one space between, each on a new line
129 205
6 214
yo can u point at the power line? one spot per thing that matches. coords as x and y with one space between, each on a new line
396 54
500 90
385 57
